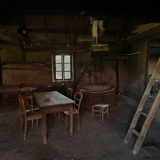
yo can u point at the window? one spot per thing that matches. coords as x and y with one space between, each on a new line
62 67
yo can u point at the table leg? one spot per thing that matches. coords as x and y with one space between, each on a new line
71 120
44 128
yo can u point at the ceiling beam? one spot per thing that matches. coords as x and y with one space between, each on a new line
7 37
124 24
9 46
22 25
55 30
150 33
68 31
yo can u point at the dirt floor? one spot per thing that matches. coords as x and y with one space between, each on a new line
96 140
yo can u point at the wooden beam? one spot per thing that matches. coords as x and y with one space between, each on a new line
108 47
0 71
46 27
50 30
20 19
9 46
44 18
56 30
146 34
32 62
99 47
7 37
72 31
22 25
116 58
74 48
39 48
123 25
26 69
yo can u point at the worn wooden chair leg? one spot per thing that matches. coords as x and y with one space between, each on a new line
59 115
32 123
42 127
78 121
92 112
60 118
21 124
102 112
66 124
108 112
37 123
25 131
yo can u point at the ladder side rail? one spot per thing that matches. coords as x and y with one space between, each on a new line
142 102
137 114
146 124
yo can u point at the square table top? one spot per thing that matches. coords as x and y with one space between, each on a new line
55 100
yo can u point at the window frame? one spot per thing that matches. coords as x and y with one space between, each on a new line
63 72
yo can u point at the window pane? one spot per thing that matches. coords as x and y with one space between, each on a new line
58 67
67 75
58 75
67 59
67 67
58 59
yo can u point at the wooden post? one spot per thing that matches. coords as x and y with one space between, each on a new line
1 96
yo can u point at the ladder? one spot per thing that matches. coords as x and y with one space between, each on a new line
149 117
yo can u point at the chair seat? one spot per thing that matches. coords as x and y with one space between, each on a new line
100 108
75 111
101 105
34 108
34 115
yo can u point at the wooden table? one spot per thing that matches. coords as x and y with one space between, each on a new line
13 90
57 103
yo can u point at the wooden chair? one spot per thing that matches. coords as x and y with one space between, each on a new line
69 95
27 115
78 98
28 101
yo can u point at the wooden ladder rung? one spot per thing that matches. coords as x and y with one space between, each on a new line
135 132
150 115
150 96
143 113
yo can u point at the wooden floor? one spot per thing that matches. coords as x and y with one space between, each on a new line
96 140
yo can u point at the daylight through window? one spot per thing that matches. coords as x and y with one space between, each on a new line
63 67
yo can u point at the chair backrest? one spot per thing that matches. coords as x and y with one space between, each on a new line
22 106
28 101
69 93
78 98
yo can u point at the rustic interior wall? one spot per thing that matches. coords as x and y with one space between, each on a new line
34 74
40 74
99 71
152 61
132 72
153 58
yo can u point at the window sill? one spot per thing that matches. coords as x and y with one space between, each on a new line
63 80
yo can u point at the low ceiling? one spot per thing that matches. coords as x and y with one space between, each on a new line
46 21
